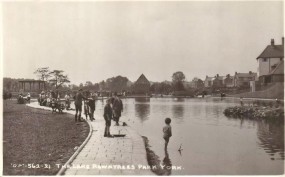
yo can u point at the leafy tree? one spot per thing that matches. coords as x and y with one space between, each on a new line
43 73
177 81
88 84
102 85
178 77
58 78
117 84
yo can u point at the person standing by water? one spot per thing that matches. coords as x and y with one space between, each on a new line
107 116
167 132
117 108
91 104
78 98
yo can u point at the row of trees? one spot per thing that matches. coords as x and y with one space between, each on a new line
57 79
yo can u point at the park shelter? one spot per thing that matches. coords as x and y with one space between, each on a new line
32 85
142 85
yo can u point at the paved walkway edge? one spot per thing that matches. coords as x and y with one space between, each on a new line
62 170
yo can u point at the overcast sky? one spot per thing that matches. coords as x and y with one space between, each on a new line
92 41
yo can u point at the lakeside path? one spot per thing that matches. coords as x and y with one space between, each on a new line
118 156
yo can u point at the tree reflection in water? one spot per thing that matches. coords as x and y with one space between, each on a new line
271 136
142 108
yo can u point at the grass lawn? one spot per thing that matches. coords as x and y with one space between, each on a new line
38 137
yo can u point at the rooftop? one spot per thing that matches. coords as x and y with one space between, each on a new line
273 51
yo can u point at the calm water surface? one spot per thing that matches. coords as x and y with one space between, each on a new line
212 143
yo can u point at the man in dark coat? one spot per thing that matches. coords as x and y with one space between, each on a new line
117 108
107 116
91 104
78 98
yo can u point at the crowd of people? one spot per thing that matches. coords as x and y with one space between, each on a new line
22 99
112 109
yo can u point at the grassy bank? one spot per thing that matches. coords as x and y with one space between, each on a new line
35 140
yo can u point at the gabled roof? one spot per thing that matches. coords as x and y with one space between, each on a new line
246 74
272 51
209 78
231 77
142 80
221 77
279 68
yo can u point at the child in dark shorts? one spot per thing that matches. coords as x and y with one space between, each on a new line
167 133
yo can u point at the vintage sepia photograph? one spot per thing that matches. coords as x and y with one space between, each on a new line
142 88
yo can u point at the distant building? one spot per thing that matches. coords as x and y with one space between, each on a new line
243 79
218 81
30 85
208 81
268 61
142 85
229 81
187 84
196 83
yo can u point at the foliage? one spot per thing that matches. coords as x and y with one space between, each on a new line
117 84
58 78
43 73
177 81
161 88
178 77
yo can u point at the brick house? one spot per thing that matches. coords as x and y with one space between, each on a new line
268 60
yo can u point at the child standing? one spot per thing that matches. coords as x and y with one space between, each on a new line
167 133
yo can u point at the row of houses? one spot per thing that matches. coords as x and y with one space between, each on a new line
237 80
270 70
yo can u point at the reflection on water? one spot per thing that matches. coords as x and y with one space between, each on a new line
211 141
178 112
142 111
167 163
271 136
142 108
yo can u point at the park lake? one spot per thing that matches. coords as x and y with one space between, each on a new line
212 143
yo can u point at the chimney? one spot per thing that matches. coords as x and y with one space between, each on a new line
282 41
272 42
250 72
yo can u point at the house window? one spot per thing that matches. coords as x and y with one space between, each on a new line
264 59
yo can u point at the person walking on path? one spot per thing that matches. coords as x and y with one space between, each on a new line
107 116
78 105
117 108
167 132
